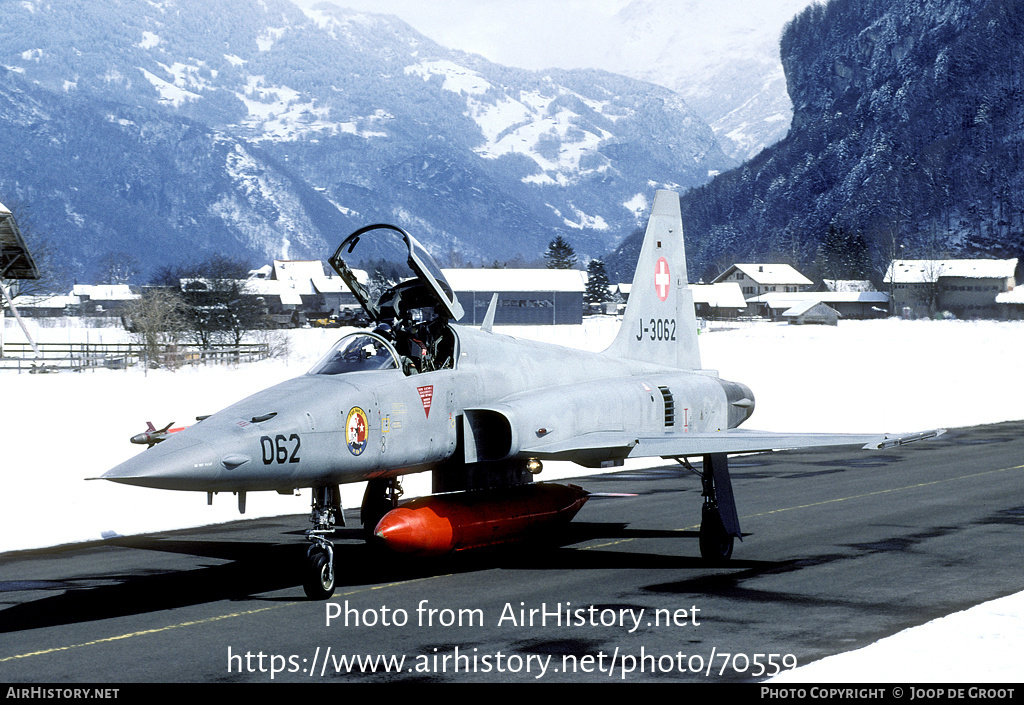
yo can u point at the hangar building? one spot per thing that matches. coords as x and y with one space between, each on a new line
525 296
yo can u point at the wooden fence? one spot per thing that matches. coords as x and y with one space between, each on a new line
90 356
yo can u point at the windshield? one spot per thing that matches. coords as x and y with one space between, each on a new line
358 352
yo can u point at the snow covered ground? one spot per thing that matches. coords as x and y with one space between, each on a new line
861 376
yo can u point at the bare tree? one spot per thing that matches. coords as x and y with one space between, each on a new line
118 268
220 308
158 320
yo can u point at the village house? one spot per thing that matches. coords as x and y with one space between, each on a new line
718 301
303 287
967 288
758 279
848 304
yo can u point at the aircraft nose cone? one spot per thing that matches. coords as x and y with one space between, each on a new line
176 464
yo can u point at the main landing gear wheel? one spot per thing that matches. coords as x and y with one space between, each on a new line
715 542
318 583
719 524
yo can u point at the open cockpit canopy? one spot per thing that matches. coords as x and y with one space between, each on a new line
403 276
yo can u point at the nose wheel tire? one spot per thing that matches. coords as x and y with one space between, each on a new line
319 579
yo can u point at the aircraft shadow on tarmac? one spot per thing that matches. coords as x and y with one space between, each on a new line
254 568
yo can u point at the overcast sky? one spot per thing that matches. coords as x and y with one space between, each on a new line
531 34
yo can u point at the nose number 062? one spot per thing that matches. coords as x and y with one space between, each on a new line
280 449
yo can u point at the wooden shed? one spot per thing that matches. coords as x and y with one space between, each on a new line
812 312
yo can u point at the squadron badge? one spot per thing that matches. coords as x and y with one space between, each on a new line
356 432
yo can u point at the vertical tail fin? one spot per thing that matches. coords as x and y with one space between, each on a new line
659 324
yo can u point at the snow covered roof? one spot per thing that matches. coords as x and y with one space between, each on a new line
1013 296
292 279
806 306
721 295
104 292
784 300
848 285
15 260
516 279
308 277
284 290
768 274
47 301
79 293
920 271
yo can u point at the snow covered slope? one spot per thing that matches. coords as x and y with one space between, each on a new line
721 56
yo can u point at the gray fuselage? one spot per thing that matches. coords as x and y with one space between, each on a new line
510 398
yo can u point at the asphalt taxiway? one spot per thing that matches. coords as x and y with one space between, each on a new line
840 549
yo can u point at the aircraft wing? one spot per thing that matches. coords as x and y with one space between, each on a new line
592 449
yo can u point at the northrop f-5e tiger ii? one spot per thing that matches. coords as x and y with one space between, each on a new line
480 411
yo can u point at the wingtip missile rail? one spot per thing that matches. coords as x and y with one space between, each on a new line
151 436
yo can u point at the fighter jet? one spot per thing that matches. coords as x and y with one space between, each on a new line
479 410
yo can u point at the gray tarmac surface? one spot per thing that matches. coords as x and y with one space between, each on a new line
840 549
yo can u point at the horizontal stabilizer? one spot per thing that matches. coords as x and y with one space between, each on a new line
619 446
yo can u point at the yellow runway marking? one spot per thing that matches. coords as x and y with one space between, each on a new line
195 623
880 492
144 632
695 527
210 620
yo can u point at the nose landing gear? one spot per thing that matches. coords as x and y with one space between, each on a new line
318 579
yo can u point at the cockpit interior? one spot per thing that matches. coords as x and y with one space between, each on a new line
412 317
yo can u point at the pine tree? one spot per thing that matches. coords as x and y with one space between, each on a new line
844 255
597 283
560 254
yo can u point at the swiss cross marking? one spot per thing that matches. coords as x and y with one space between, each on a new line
661 278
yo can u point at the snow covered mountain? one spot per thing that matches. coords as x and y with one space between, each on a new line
722 56
183 126
906 142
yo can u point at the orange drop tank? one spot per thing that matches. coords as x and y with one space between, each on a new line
440 524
